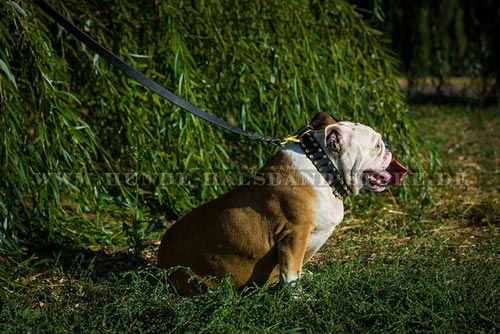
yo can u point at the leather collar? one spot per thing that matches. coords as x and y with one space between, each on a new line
324 165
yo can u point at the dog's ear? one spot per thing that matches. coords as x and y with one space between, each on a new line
321 121
337 137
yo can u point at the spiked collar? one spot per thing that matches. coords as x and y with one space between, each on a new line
324 165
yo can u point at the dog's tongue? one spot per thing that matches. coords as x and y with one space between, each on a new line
394 174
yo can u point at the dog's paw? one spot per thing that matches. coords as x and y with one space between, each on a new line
297 293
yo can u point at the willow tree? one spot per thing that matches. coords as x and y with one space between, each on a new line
86 150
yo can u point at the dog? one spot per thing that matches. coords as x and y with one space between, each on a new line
267 229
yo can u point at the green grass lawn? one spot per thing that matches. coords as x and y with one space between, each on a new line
392 269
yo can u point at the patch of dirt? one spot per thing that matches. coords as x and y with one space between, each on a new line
484 213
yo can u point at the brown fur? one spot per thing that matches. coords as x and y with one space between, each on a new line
255 232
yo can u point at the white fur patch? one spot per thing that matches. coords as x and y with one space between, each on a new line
330 210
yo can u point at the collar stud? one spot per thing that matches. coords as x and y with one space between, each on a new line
324 165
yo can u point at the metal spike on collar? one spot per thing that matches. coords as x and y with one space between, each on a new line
324 165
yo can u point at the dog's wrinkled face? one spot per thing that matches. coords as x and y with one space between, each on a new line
361 156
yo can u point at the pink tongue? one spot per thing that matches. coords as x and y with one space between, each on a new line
394 173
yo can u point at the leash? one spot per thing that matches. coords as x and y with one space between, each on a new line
150 84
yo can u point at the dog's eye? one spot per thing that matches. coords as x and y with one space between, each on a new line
379 147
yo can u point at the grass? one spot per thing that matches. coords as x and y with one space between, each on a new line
393 269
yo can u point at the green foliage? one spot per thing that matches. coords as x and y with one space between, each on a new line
85 149
423 295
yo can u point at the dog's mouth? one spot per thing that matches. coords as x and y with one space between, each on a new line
392 175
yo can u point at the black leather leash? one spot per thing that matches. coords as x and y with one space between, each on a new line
147 82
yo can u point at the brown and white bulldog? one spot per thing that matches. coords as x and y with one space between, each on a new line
268 229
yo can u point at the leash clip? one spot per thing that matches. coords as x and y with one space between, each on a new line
297 137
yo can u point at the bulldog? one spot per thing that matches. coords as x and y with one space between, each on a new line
267 229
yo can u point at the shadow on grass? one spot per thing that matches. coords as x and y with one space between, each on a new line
96 264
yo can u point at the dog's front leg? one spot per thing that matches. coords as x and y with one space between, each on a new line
291 249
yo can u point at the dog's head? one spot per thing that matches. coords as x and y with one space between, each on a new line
360 154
